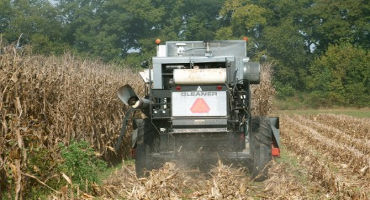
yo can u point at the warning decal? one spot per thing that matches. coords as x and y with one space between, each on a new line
200 106
199 103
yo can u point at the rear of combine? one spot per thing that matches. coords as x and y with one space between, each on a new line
198 108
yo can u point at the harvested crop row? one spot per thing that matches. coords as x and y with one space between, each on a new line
339 153
223 182
356 127
288 182
317 163
171 182
340 136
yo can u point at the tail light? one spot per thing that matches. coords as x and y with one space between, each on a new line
275 151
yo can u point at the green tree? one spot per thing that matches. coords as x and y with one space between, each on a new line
341 76
275 28
330 21
81 24
6 11
285 44
183 20
199 19
36 21
109 29
291 32
243 18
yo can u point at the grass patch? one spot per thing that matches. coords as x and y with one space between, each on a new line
290 103
301 103
292 162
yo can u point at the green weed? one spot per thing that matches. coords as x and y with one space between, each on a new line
81 164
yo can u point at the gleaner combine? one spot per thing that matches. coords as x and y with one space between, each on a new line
198 109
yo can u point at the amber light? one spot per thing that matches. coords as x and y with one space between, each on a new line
158 41
178 88
219 87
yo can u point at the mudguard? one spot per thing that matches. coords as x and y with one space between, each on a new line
274 122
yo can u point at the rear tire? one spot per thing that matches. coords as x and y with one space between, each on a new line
261 138
144 147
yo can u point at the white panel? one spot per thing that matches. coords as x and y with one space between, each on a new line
183 103
162 51
145 75
199 76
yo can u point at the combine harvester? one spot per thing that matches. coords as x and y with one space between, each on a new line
198 109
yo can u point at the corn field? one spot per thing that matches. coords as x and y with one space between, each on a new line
47 101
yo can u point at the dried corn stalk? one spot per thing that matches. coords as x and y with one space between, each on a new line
45 101
263 93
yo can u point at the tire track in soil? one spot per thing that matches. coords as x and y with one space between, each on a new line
341 183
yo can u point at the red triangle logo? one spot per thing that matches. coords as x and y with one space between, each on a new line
200 106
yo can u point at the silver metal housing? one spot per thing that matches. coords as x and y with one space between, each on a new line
232 52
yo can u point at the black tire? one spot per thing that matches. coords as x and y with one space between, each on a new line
261 140
144 147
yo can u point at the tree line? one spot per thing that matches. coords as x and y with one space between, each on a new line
319 47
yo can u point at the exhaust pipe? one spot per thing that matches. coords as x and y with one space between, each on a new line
128 96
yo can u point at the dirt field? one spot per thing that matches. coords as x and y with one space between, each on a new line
324 156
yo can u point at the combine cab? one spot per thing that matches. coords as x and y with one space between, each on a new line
198 109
